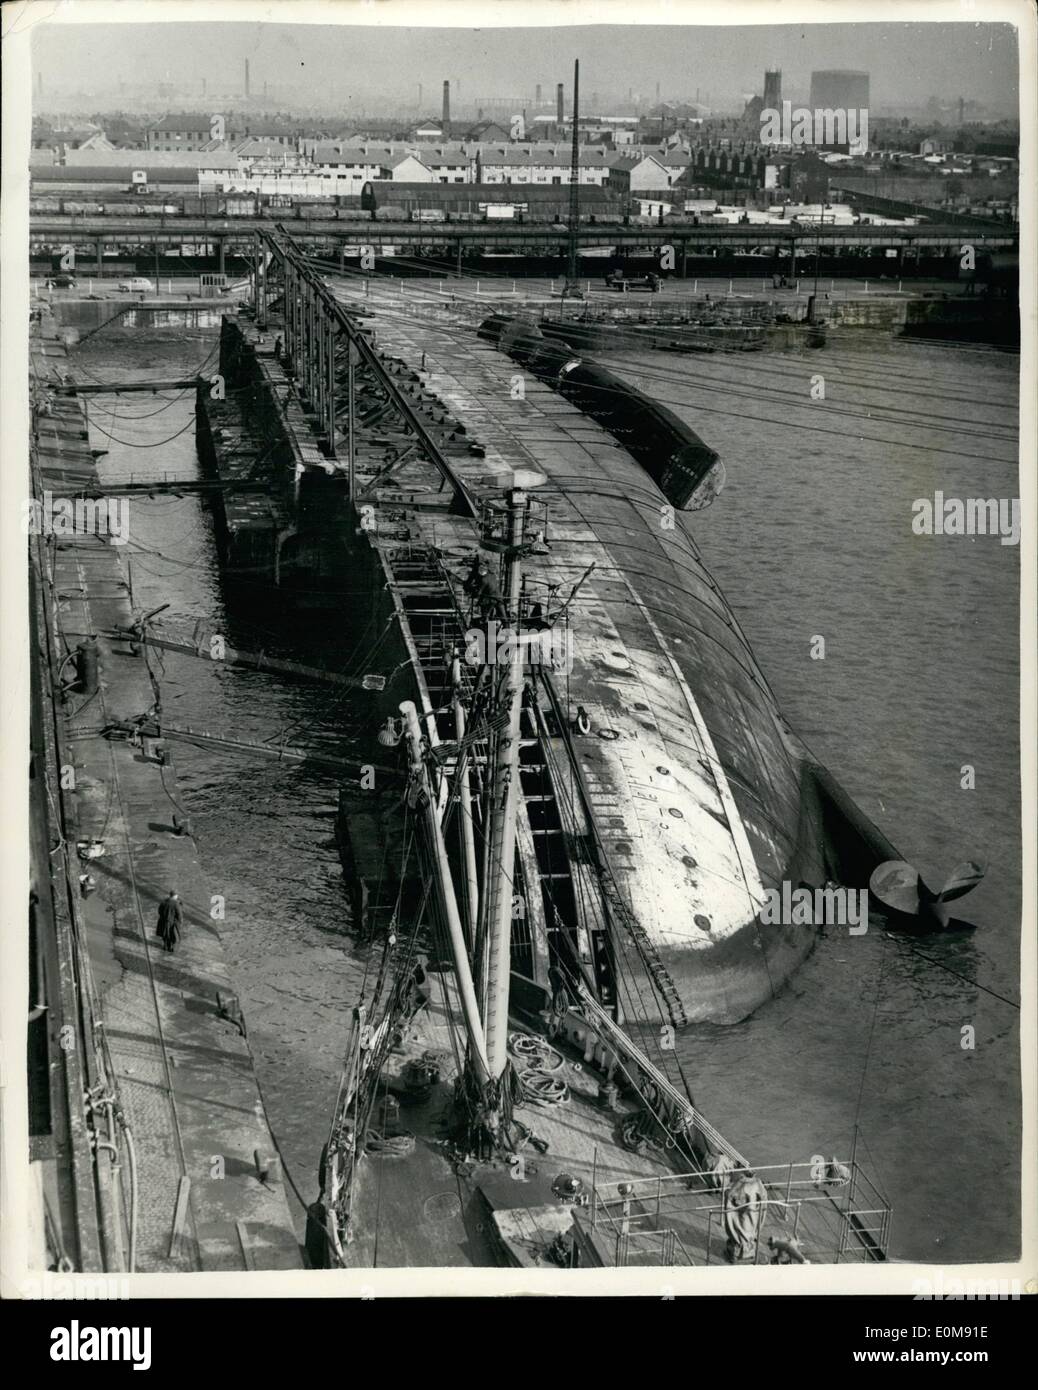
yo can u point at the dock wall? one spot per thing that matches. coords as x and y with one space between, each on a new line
182 1070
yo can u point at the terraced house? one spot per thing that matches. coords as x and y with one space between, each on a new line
549 164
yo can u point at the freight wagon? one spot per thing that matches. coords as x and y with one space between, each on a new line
483 202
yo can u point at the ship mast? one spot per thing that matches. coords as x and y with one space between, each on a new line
505 791
470 879
485 1007
450 915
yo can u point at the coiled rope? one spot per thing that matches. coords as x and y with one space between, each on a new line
390 1145
538 1082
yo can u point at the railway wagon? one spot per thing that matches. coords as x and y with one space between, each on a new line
483 202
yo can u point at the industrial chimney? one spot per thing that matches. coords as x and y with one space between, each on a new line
537 98
560 105
446 120
246 78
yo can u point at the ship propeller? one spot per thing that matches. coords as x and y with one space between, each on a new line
912 905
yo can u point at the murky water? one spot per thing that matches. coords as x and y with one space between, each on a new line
264 828
812 536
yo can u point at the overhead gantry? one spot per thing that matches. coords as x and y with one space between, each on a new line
323 346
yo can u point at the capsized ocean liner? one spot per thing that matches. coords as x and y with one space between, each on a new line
597 790
580 793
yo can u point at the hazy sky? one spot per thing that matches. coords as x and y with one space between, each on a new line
907 62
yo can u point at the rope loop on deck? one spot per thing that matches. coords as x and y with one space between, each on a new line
536 1051
390 1145
541 1088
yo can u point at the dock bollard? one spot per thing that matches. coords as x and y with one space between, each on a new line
87 665
228 1005
268 1166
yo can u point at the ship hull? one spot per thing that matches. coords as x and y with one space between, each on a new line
695 795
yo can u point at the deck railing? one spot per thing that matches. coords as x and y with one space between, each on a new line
664 1247
837 1219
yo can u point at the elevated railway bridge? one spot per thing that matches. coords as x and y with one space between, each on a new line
238 236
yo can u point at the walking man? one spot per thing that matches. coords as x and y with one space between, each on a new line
171 919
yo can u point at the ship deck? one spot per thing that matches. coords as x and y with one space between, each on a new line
426 1208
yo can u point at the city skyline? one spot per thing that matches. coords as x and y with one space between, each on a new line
351 65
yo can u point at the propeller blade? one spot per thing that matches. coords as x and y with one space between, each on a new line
898 886
961 880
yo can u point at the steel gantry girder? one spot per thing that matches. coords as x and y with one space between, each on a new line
322 348
314 344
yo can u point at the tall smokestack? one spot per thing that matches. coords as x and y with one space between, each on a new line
537 98
203 86
446 120
560 105
246 77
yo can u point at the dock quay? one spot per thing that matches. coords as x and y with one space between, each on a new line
186 1169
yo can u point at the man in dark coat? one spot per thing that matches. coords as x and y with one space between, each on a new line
171 919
